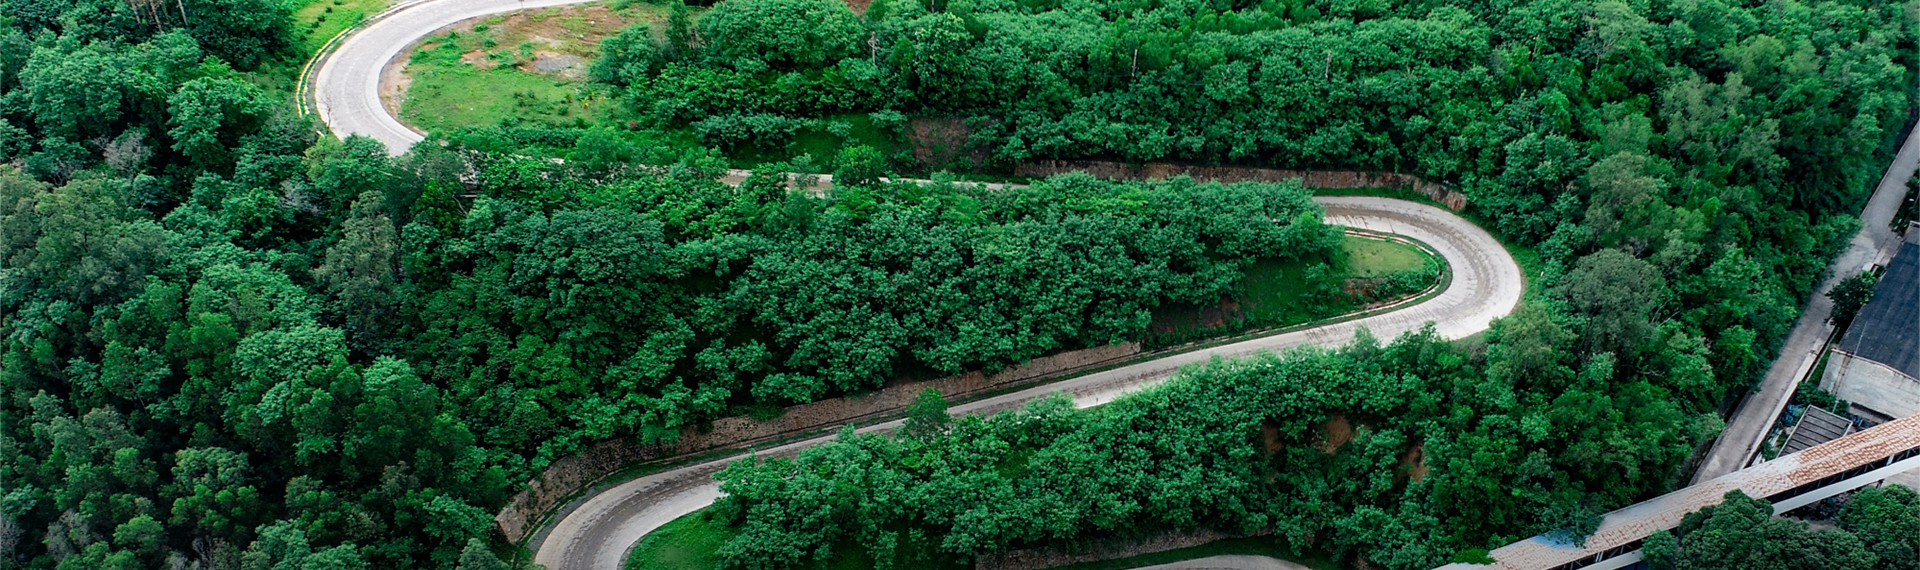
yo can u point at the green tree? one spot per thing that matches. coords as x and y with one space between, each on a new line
1741 532
1850 295
1617 294
782 33
209 115
1887 519
927 415
626 57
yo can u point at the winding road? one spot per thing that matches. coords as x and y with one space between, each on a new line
598 533
1486 284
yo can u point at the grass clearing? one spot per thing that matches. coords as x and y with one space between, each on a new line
1279 293
693 542
527 68
823 145
1262 546
316 21
1374 258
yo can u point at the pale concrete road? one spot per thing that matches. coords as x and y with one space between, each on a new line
1487 284
346 90
1230 562
1873 244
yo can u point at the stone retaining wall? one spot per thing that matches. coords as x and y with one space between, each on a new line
1309 178
1103 549
569 475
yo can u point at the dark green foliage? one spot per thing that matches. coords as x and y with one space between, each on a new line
1850 294
1887 521
1190 452
1878 530
927 416
226 344
244 33
625 57
780 33
642 305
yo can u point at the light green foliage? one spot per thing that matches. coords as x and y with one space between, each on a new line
1887 521
781 33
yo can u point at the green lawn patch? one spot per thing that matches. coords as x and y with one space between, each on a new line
450 91
1259 545
316 21
1376 258
693 542
522 69
1279 293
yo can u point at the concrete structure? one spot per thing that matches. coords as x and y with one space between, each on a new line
1876 366
1860 459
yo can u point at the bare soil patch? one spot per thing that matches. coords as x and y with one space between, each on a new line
394 82
1336 433
942 142
476 58
1413 463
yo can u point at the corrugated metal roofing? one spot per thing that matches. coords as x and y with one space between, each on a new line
1817 426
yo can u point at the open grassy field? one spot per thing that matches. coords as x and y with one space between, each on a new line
316 21
693 542
1279 293
1263 546
527 68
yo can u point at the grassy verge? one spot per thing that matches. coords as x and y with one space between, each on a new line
316 21
1280 293
693 542
527 68
1259 546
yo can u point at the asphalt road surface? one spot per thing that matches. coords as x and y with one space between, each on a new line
1487 284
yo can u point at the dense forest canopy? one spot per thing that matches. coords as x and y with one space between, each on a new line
231 343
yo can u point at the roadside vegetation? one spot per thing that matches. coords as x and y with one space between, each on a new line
226 341
315 22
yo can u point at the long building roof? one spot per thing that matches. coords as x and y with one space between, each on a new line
1625 528
1887 330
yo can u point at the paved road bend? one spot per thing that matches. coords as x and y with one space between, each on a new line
1486 284
346 91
